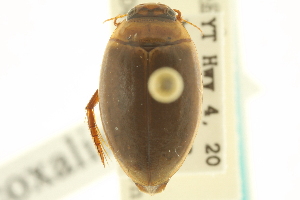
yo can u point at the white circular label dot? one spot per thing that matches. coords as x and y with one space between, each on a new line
165 85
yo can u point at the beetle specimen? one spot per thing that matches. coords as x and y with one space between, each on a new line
150 95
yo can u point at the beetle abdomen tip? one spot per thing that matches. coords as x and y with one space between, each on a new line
152 190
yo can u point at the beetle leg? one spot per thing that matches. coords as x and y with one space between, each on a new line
115 19
179 18
98 139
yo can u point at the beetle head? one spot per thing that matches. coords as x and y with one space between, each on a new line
152 10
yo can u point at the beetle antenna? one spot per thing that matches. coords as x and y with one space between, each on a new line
115 19
179 18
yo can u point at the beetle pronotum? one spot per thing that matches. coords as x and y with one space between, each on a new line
150 95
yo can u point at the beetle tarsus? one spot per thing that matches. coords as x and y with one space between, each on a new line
98 139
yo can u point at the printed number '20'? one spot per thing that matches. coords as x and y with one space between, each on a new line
213 160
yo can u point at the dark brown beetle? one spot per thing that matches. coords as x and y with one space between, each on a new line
150 95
